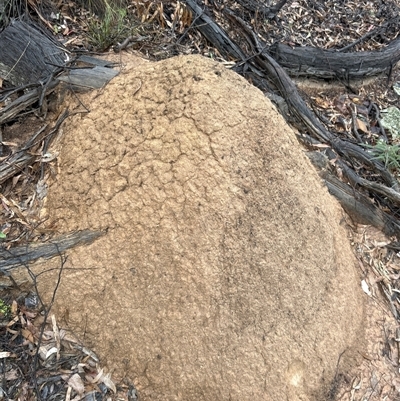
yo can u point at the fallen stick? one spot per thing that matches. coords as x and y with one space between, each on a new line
332 64
25 254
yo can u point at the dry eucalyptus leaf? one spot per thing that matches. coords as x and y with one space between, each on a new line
76 383
361 126
106 379
28 335
396 88
95 379
51 351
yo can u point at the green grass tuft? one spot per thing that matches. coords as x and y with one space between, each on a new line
108 29
389 155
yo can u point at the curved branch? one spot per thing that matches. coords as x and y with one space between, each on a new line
330 64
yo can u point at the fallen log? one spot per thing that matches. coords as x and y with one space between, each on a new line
298 108
10 111
359 206
23 255
27 55
214 33
331 64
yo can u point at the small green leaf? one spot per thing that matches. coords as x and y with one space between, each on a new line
2 235
391 120
5 309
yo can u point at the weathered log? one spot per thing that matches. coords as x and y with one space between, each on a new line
331 64
214 33
390 193
15 164
359 207
96 75
298 108
27 55
89 78
23 255
10 111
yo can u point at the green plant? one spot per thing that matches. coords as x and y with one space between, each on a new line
387 154
5 309
111 27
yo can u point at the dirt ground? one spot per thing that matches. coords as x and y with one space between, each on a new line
377 378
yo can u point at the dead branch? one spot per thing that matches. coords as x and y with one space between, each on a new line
24 157
10 111
214 33
23 255
331 64
359 207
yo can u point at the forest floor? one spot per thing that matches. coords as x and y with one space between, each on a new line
157 30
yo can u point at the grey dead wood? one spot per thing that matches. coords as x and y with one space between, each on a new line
30 61
214 33
15 164
23 255
332 64
28 55
94 74
91 78
359 206
11 111
299 109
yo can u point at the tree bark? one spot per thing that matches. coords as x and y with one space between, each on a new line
214 33
359 207
23 255
27 55
331 64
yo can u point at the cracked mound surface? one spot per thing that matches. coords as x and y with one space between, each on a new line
224 273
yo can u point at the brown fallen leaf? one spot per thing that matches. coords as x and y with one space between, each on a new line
28 335
361 126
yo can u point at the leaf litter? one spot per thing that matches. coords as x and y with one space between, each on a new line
41 361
